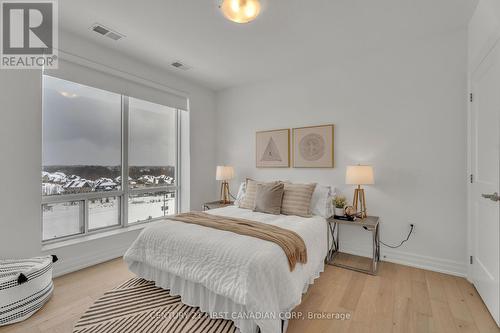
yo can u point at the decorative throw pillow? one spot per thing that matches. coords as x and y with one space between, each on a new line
297 199
241 194
268 198
321 202
248 201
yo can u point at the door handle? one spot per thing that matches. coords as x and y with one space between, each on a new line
492 197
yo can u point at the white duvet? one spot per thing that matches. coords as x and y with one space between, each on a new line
249 271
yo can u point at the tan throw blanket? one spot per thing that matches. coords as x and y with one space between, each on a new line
291 243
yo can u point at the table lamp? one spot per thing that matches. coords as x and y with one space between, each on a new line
224 173
359 175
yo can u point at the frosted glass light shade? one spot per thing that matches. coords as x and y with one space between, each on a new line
224 172
240 11
359 175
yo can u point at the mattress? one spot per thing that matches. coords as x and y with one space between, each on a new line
229 274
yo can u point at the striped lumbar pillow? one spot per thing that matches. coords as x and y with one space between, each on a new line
297 199
248 201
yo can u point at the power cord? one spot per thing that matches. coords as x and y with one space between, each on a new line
403 241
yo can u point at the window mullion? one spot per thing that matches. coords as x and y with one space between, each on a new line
168 188
85 216
79 197
125 168
177 160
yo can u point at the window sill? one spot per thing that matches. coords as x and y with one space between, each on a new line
104 234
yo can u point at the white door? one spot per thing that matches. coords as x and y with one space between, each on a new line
484 195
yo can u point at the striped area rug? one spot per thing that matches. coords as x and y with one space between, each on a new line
138 306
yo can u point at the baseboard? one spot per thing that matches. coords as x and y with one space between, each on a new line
69 265
409 259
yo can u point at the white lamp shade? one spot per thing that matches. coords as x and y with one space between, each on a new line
359 175
224 172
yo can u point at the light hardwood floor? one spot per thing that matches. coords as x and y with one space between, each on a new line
399 299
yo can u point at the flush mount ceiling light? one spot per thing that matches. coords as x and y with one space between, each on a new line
240 11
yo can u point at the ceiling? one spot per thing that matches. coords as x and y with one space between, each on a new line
289 35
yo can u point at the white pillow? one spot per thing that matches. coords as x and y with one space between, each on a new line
241 193
321 202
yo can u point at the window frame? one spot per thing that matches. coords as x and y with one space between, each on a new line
125 191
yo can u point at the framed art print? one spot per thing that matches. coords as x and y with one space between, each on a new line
313 147
273 149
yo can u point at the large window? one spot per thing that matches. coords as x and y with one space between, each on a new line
109 160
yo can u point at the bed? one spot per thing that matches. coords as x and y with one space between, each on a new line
227 275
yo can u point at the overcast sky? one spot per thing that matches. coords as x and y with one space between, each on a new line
84 128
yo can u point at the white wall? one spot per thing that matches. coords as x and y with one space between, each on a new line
403 110
20 147
21 155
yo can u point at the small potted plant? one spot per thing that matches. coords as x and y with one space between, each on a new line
340 202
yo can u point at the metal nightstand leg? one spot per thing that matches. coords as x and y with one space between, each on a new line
333 242
375 251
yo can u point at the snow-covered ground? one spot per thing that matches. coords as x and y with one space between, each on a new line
62 219
145 208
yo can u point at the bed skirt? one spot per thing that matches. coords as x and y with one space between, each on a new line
196 295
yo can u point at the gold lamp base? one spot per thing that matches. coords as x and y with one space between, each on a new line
224 192
359 197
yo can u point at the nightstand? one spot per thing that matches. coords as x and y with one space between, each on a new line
215 204
370 223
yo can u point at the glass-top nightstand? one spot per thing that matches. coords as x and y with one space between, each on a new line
370 223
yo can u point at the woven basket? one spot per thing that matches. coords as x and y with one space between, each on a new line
25 286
